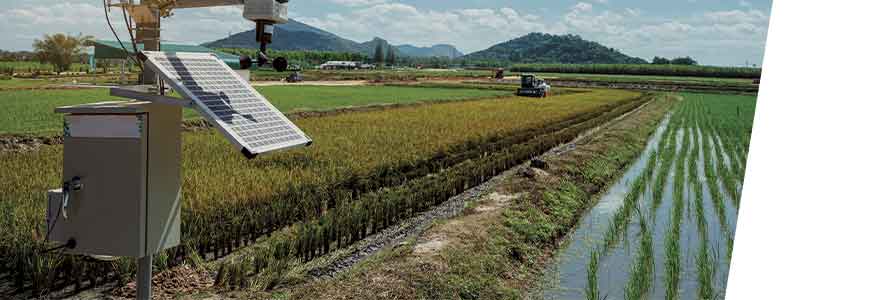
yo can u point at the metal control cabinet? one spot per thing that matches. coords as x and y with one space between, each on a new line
127 157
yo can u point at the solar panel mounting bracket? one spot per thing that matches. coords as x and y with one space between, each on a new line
140 93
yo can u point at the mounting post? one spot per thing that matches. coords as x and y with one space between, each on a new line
143 278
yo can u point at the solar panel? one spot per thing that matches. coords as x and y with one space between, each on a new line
241 113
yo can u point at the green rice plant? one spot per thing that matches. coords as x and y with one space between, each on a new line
713 185
672 247
643 269
704 264
667 161
690 146
591 290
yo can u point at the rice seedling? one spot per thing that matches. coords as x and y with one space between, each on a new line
672 247
694 148
592 292
667 162
619 223
712 181
704 264
643 269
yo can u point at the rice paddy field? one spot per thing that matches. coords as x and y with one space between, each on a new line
32 111
366 171
413 75
665 230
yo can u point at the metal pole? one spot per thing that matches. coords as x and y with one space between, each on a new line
143 278
148 33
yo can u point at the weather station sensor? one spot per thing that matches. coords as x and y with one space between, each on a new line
121 193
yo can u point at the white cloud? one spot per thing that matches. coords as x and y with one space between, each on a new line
469 29
357 3
708 36
23 24
582 7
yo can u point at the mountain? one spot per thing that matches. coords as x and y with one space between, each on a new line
291 36
299 36
440 50
547 48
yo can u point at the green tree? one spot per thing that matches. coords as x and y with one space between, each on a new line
379 54
60 49
688 61
661 61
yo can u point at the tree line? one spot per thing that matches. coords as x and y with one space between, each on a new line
684 61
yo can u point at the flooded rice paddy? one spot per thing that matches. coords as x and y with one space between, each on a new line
665 229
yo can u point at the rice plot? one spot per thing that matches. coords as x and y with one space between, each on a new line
665 230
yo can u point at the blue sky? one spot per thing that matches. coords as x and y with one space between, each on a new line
715 32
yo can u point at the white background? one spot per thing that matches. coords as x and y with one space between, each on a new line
804 225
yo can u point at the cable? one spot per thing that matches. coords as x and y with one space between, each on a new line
132 38
75 184
130 30
112 27
56 216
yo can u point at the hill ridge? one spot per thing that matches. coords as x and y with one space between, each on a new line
295 35
539 47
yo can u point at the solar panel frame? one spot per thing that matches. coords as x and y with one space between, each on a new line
235 133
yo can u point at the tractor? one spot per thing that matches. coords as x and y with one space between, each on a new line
296 75
531 86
